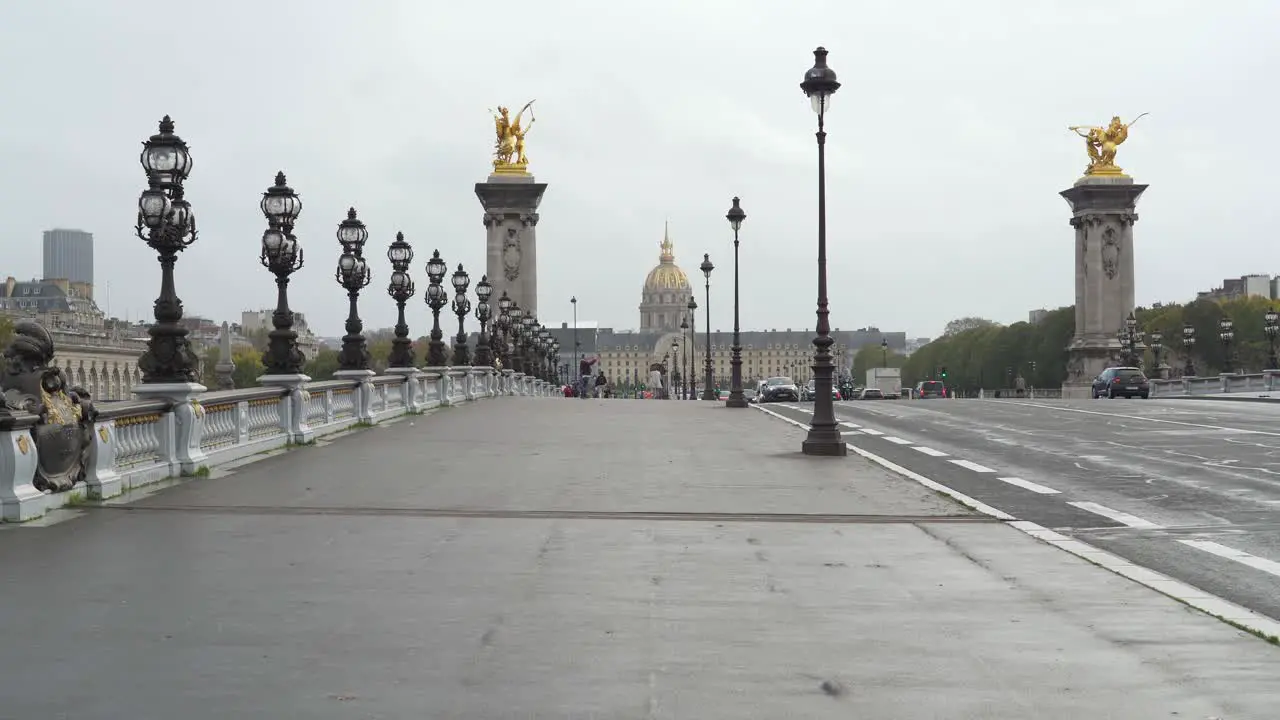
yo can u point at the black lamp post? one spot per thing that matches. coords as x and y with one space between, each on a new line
1227 333
884 352
400 288
436 299
1271 326
514 333
527 321
576 360
708 392
1157 346
684 353
735 217
503 326
354 275
824 436
282 256
553 356
544 357
461 306
675 375
167 225
484 358
1188 342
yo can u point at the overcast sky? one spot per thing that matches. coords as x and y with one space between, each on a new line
946 152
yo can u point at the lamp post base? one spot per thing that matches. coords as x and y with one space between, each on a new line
737 400
824 443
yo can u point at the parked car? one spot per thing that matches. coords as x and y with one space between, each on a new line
930 389
1121 382
779 389
871 394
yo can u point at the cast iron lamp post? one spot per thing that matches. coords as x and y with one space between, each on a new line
514 334
576 360
708 392
692 343
461 306
824 436
1271 326
676 373
884 352
436 298
544 336
684 353
484 358
527 321
503 324
1227 333
1188 342
282 256
553 357
400 288
1157 346
167 225
735 217
354 275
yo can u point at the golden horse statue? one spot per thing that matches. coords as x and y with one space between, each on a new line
1101 144
508 149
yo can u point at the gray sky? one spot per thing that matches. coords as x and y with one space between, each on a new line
946 152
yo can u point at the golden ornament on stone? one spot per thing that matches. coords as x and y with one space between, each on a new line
1101 144
508 150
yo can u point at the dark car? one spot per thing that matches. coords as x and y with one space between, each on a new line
778 389
931 389
1126 382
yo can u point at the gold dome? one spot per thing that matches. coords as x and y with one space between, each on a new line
667 275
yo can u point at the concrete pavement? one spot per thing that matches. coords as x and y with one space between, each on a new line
603 559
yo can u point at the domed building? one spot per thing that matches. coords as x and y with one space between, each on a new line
665 297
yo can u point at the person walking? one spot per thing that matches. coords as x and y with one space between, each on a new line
601 382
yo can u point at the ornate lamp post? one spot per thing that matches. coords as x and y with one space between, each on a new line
401 289
735 216
675 375
503 326
708 392
554 357
461 306
824 436
527 321
544 344
1188 342
1227 333
514 333
685 385
484 358
436 298
576 360
167 225
1271 326
354 275
884 352
282 256
1157 346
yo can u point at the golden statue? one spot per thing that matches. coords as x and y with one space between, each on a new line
1101 143
508 150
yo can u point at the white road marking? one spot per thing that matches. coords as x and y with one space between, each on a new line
899 441
789 407
930 451
848 424
967 465
869 431
1028 485
1240 556
1149 419
1123 518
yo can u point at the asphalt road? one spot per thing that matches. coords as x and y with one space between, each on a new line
1189 489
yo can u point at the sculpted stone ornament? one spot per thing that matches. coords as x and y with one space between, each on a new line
1110 253
508 149
64 435
1101 144
511 254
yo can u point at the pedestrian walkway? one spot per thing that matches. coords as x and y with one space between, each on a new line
588 559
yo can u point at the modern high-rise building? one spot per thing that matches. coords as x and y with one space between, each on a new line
68 255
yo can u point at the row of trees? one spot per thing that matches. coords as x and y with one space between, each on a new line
979 353
248 359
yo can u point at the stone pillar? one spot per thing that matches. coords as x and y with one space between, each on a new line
294 410
188 418
226 367
511 220
364 392
19 499
1103 215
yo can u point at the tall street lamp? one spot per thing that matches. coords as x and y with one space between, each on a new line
436 299
514 331
167 225
353 274
675 375
1188 342
684 353
502 326
708 392
1271 325
735 216
1227 333
400 288
544 336
484 358
824 436
461 306
282 256
576 360
884 352
527 323
1157 346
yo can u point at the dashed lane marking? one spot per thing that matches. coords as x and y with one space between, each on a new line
1148 419
1123 518
896 440
929 451
1028 485
870 431
968 465
1240 556
848 424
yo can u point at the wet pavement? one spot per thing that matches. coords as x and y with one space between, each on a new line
589 559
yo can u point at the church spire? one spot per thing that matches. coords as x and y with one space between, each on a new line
668 250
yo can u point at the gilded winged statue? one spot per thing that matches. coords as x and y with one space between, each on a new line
508 150
1101 144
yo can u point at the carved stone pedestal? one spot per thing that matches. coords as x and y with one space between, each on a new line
511 222
188 421
1103 214
294 414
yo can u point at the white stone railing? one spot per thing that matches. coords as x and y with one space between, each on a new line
1265 381
142 442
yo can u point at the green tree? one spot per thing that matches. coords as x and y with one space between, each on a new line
6 331
208 377
323 365
249 367
873 356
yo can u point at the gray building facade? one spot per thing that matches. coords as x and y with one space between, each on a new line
68 255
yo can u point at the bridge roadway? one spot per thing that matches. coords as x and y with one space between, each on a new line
1189 488
549 558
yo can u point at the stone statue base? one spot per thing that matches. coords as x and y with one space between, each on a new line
510 203
1085 361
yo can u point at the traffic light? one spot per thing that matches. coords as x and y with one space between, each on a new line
943 373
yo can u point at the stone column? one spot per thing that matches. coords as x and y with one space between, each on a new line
1103 216
511 220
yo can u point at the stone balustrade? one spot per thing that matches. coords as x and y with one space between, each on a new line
142 442
1265 381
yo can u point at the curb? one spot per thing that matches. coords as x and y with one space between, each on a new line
1257 399
1232 614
